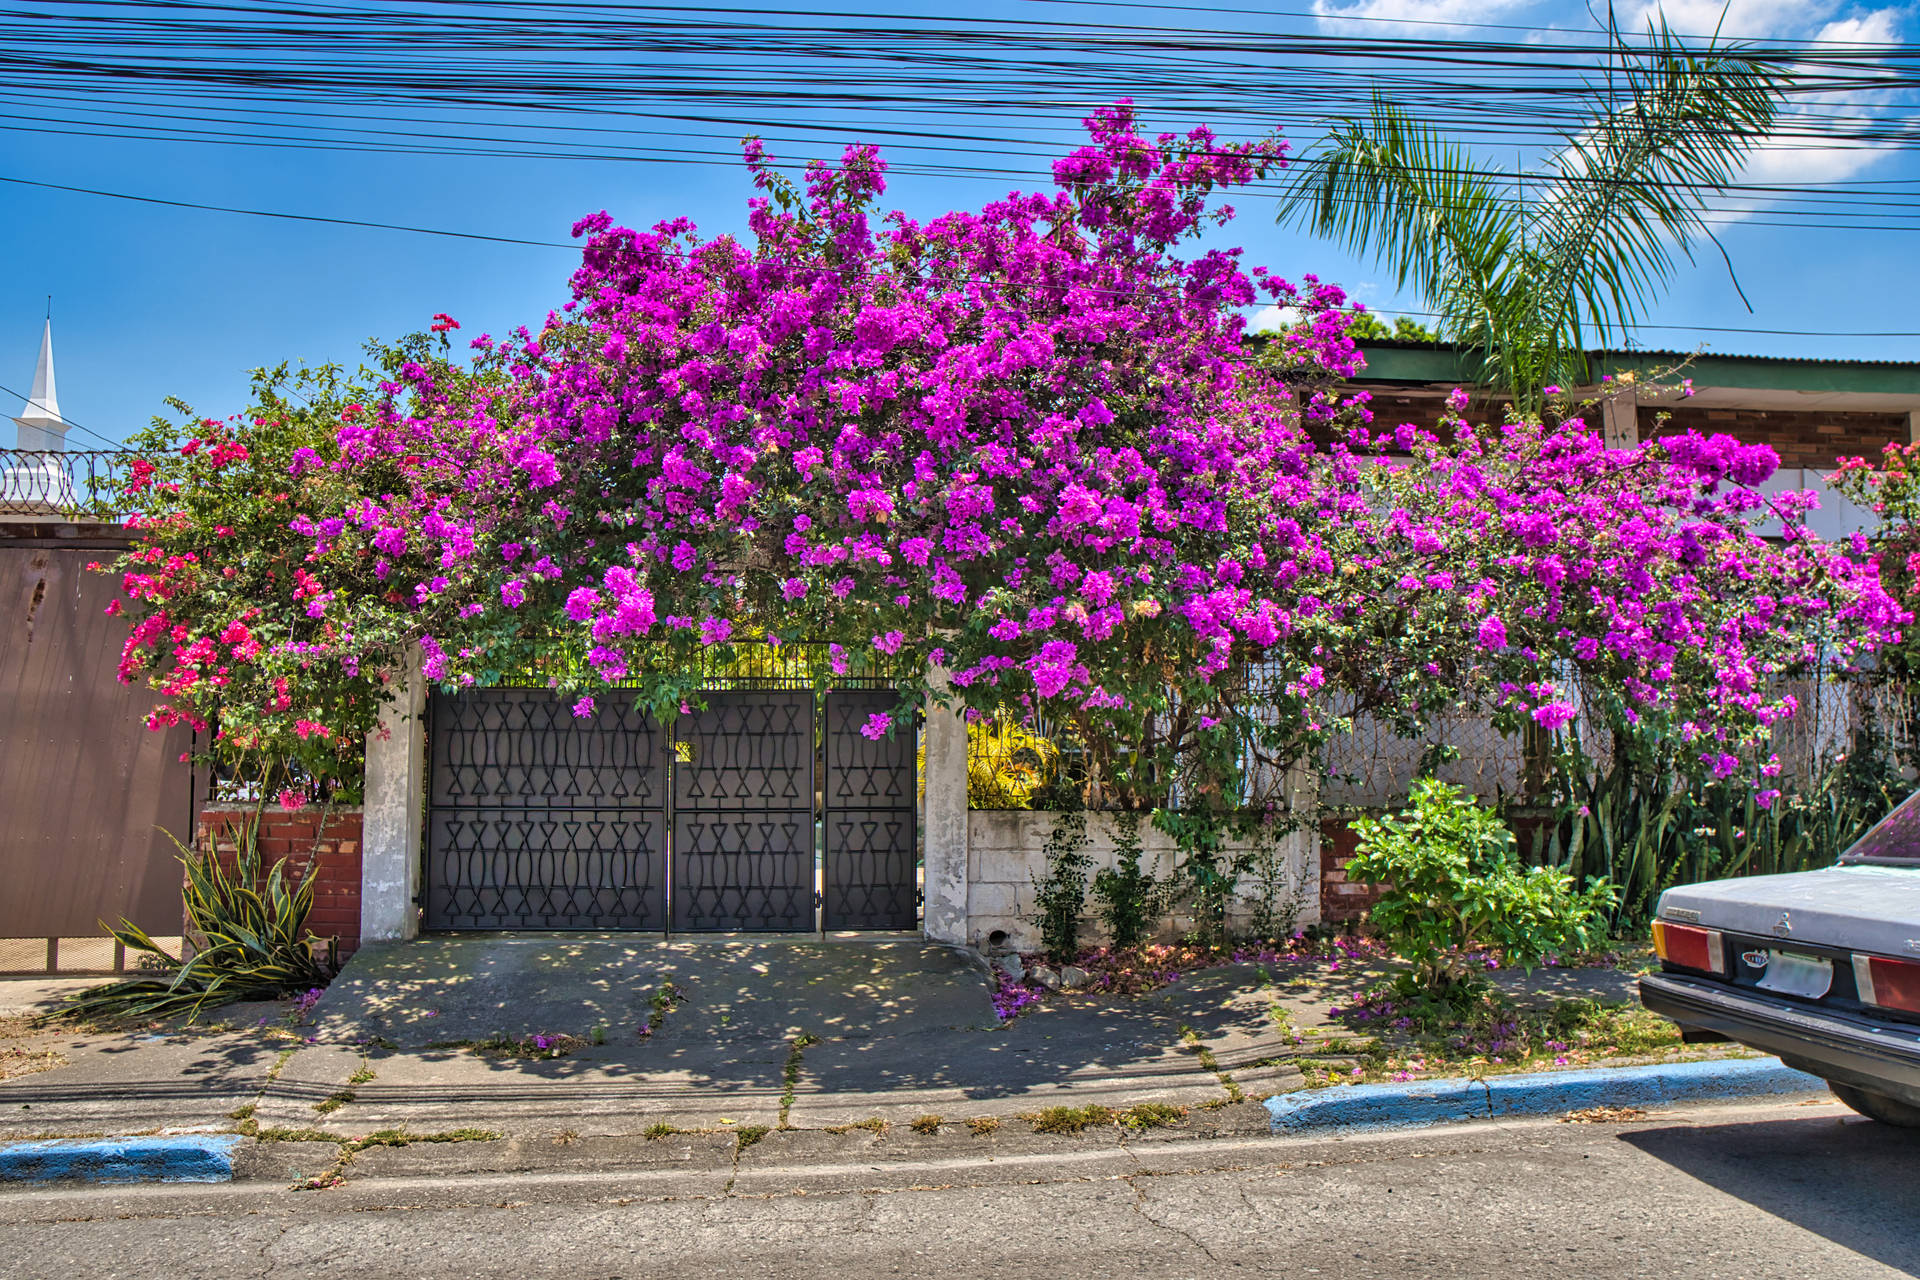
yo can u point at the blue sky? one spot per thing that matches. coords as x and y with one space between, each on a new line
151 301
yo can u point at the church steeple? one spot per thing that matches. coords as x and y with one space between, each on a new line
40 425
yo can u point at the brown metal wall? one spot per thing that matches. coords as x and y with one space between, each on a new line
83 783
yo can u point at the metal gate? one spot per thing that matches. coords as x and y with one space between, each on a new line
743 814
538 820
870 819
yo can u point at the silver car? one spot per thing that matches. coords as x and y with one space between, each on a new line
1819 967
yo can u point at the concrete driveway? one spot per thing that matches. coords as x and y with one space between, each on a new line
802 1033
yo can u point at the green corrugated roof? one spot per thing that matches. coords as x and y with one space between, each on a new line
1425 362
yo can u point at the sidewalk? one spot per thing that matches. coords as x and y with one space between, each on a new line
694 1051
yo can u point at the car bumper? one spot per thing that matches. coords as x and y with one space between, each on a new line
1879 1057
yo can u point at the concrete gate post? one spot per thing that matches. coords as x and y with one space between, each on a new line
945 869
395 811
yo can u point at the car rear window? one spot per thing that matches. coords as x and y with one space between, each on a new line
1895 838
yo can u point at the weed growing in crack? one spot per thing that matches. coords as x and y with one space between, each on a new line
1068 1119
1211 1063
663 1002
872 1124
658 1130
791 1073
1150 1115
334 1175
983 1125
749 1134
531 1048
928 1125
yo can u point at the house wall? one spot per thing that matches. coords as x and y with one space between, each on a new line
1814 439
325 841
1006 853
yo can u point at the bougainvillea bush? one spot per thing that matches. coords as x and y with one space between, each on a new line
275 654
1026 446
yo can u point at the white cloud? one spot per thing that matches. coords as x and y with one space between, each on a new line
1791 161
1733 18
1879 27
1411 16
1269 319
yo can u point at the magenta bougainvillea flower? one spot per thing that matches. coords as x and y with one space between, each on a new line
1030 447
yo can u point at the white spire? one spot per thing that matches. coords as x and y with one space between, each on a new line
41 426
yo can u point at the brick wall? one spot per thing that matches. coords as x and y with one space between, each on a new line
1802 438
1341 899
298 836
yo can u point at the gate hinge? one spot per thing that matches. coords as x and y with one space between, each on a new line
919 897
819 899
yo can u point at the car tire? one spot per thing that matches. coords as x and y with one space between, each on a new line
1877 1106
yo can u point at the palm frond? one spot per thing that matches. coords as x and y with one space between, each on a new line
1528 283
1390 187
1630 190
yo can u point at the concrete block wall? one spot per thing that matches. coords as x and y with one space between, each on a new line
1006 852
330 847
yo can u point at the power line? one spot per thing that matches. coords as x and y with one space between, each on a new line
297 217
111 444
544 244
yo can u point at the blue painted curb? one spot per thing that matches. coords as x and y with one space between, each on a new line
195 1158
1361 1107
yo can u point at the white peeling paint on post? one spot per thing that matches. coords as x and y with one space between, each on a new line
944 735
395 810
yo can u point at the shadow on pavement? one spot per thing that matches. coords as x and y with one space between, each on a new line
1848 1180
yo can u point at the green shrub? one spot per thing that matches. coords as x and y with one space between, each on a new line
1124 891
1061 897
1454 885
255 941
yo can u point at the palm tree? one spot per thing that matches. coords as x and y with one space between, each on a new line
1527 277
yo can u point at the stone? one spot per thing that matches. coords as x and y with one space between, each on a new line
1045 976
1011 966
1073 977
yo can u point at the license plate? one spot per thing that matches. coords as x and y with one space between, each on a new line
1808 977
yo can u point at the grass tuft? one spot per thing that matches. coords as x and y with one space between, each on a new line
928 1125
1150 1115
750 1134
294 1135
872 1124
1068 1119
983 1125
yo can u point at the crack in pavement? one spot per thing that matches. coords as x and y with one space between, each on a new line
1140 1208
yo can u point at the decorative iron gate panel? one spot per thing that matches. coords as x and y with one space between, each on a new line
540 820
872 836
743 814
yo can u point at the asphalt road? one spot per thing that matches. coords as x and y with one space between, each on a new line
1701 1192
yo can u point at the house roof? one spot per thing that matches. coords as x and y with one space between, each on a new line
1857 386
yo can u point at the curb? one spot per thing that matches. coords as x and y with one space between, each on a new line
196 1158
1359 1108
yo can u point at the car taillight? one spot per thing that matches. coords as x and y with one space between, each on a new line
1891 984
1688 947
